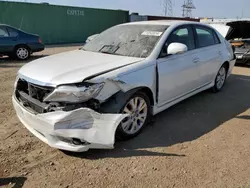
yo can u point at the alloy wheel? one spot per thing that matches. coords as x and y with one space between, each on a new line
22 53
138 110
221 77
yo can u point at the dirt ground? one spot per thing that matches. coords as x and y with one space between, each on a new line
201 142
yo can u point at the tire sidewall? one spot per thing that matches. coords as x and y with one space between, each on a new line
120 133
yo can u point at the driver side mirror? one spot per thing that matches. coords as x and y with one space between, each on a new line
176 48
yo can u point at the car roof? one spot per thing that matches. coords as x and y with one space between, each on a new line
4 25
165 22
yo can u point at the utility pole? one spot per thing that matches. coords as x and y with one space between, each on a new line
183 9
168 7
187 8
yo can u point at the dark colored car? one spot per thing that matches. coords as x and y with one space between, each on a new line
18 44
239 36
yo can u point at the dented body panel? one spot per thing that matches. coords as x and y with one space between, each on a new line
58 129
138 75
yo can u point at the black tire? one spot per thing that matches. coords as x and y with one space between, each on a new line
21 52
120 133
218 87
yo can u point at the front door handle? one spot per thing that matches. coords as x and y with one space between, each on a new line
196 60
220 53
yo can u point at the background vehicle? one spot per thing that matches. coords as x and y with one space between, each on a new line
238 34
109 88
17 43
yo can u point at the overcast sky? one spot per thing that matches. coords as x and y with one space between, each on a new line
204 8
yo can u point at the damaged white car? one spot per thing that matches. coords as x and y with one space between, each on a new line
86 98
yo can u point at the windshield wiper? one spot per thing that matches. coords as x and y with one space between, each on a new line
106 52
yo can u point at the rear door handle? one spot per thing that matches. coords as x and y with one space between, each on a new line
220 53
196 60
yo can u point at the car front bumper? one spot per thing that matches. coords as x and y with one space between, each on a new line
59 129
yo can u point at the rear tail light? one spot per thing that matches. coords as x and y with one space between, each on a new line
40 41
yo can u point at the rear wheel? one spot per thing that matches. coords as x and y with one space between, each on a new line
138 108
220 78
22 52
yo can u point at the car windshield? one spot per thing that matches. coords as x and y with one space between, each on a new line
127 40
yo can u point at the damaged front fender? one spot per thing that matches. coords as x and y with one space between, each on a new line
127 80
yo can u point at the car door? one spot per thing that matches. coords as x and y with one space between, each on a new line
3 39
209 54
7 40
178 74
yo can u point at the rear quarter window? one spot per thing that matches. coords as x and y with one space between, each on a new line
216 38
12 32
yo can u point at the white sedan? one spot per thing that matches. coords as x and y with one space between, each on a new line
111 87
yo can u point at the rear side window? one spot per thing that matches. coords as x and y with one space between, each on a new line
3 32
12 32
205 37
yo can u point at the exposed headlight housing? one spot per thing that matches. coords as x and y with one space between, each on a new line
74 94
16 81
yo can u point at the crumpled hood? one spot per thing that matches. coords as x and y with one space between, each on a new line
72 67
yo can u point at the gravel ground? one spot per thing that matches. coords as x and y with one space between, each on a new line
201 142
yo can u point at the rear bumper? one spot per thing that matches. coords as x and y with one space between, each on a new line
243 58
37 47
58 129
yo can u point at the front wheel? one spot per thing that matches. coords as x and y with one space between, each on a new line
220 79
138 108
22 52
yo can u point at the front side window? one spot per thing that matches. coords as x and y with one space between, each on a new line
3 32
182 35
127 40
205 37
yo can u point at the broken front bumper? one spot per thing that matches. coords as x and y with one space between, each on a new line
59 129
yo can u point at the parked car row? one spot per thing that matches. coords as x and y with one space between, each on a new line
109 89
18 44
